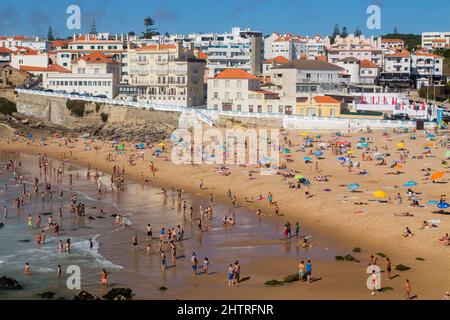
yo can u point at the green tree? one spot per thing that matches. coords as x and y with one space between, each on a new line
344 32
149 31
94 28
335 33
50 36
131 33
395 30
358 32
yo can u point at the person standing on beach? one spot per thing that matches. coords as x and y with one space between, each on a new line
205 265
407 290
104 278
237 272
163 261
308 271
58 272
297 230
60 246
301 271
149 232
135 243
388 268
230 275
27 269
68 246
270 198
5 212
194 263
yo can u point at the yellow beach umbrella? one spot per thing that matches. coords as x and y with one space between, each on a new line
161 144
398 166
379 194
437 175
400 145
429 144
304 134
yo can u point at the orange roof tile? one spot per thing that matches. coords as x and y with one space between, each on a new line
95 57
325 99
202 56
426 54
25 51
399 54
368 64
51 68
263 92
5 50
321 58
392 40
277 59
235 74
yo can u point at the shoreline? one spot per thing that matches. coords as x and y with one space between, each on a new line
401 252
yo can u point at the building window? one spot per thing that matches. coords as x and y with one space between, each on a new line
250 109
227 83
239 108
216 95
269 109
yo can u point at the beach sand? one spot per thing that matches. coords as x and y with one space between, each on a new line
373 227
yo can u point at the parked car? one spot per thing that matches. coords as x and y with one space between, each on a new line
49 90
102 96
401 116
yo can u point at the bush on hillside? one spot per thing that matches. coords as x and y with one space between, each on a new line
7 107
76 107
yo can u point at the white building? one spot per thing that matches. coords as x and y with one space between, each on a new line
5 55
295 47
390 46
24 56
426 68
304 78
268 41
360 48
94 73
116 47
36 43
369 72
238 90
397 70
435 40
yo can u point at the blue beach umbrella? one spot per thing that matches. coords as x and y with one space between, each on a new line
410 184
353 187
307 159
305 181
433 203
443 205
318 153
341 159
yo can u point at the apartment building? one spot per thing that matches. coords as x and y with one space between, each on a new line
95 74
294 47
25 56
167 74
359 71
435 40
238 90
35 43
360 48
5 55
267 66
397 70
369 72
304 78
426 69
390 46
81 45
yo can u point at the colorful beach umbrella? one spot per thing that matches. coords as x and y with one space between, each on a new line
307 159
318 153
401 145
379 194
410 184
353 187
341 159
299 177
443 205
433 203
437 175
304 134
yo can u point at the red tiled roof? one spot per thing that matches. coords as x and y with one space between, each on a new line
325 99
277 59
51 68
25 51
235 74
202 56
263 92
95 57
399 54
368 64
5 50
425 54
60 43
392 40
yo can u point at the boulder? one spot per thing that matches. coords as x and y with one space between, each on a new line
114 293
84 295
9 284
120 298
1 225
25 121
46 295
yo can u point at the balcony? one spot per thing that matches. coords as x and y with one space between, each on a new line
142 62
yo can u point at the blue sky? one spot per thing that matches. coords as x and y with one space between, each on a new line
33 17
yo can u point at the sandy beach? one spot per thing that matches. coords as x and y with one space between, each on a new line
349 219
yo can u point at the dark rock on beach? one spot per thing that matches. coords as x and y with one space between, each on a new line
1 225
117 292
9 284
46 295
84 295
